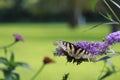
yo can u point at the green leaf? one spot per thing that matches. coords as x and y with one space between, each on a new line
118 5
12 58
92 27
16 76
22 65
5 50
7 75
2 69
66 76
111 64
107 74
108 57
4 60
107 16
112 11
11 75
99 24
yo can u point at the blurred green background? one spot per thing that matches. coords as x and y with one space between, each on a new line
38 43
42 22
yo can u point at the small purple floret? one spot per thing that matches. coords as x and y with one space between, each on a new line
113 38
95 48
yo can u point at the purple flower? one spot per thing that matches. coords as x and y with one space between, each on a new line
113 38
18 37
95 48
84 44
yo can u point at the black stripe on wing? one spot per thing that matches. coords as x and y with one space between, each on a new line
74 56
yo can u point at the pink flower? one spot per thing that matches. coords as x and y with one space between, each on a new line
18 37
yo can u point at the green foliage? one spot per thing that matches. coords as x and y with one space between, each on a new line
66 76
93 4
4 61
10 66
22 64
108 70
109 9
9 70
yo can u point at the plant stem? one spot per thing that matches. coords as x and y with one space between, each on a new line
115 3
106 17
102 70
38 72
112 11
9 45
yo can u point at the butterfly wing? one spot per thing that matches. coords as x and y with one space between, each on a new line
71 49
75 53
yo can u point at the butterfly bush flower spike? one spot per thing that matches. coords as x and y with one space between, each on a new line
95 48
18 37
113 38
82 51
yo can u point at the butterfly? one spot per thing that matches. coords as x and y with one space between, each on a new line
74 53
